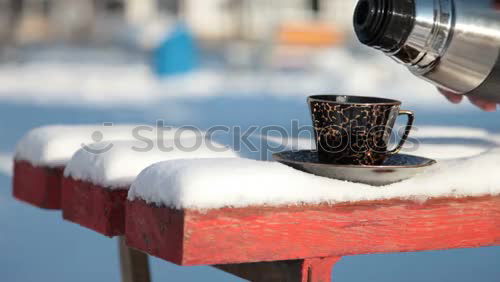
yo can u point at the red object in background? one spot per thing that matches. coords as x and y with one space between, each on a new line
255 234
37 185
94 206
496 4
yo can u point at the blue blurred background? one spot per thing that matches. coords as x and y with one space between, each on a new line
202 63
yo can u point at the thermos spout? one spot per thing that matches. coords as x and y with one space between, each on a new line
384 24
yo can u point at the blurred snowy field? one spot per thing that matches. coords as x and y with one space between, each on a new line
96 83
6 164
38 245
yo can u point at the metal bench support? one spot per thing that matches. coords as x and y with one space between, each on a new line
133 263
306 270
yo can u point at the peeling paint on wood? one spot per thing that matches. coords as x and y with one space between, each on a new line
256 234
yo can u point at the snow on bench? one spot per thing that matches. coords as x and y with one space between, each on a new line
54 145
43 152
95 186
212 184
227 211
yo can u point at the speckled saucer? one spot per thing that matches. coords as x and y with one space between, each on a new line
396 168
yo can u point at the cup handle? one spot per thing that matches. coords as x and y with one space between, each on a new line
409 125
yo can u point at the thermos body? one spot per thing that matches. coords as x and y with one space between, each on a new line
454 44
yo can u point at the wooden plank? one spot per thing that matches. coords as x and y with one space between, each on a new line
156 231
94 207
133 263
256 234
39 186
306 270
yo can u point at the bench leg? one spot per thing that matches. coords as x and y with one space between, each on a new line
305 270
318 269
133 263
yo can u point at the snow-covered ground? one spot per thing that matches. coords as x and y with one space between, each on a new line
6 164
104 84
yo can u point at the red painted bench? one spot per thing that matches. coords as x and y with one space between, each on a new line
93 206
43 152
296 243
39 186
302 243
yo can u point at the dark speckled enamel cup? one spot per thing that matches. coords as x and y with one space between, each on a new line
356 130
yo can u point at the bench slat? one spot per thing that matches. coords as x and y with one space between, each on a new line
256 234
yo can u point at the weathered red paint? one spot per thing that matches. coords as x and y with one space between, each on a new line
239 235
39 186
156 231
94 206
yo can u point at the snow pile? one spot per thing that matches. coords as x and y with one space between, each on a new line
54 145
119 166
217 183
5 164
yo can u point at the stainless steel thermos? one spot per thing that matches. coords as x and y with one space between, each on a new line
454 44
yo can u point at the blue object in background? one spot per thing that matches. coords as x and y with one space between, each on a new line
177 53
